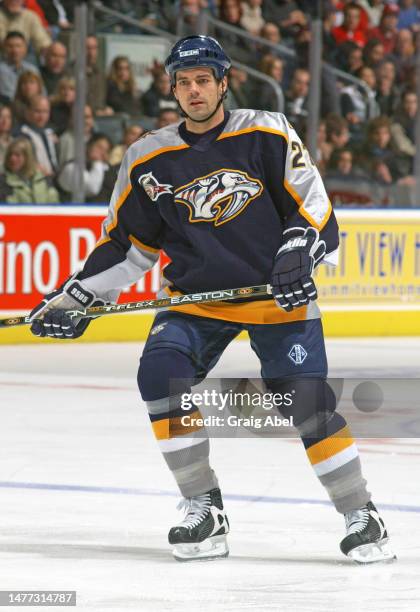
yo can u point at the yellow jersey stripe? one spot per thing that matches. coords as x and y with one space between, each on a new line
254 128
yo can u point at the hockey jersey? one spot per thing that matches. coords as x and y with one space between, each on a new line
217 207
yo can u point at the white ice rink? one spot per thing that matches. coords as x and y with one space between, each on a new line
86 500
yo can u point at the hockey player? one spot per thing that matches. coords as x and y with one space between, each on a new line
234 199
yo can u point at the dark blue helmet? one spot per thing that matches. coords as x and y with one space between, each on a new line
194 51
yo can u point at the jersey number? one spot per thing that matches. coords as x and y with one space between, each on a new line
297 155
297 159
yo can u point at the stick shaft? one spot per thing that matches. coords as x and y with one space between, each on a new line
181 300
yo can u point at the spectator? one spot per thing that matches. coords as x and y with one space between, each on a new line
350 57
22 182
355 104
14 63
339 7
96 82
273 67
236 94
342 162
230 11
409 17
14 17
373 9
350 30
379 158
373 53
97 164
330 51
54 14
297 98
55 66
122 94
293 23
387 95
131 134
403 128
333 133
348 184
33 6
42 137
159 96
5 131
62 104
338 134
166 117
185 17
29 85
278 12
66 145
251 16
323 150
271 32
404 55
387 31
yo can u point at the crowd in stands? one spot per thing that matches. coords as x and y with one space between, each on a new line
366 137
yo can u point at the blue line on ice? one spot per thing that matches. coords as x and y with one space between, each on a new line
266 499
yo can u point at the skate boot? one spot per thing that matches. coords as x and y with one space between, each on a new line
202 533
367 539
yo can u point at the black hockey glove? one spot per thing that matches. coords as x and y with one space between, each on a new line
291 280
49 317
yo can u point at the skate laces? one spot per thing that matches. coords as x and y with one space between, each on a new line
357 520
197 507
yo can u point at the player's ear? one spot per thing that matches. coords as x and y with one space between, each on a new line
224 83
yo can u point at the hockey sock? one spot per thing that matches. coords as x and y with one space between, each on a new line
335 459
184 444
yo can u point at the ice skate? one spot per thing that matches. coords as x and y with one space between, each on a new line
366 540
202 533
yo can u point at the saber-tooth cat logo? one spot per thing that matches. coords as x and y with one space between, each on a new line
218 197
152 187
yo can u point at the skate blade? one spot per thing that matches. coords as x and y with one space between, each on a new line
376 552
208 550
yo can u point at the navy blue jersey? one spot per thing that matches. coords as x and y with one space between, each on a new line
217 206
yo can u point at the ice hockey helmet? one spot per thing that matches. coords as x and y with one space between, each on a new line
194 51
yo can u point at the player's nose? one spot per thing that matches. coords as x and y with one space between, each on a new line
194 90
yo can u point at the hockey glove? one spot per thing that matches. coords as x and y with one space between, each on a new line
291 280
49 317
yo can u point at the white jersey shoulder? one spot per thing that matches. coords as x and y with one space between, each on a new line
244 118
152 142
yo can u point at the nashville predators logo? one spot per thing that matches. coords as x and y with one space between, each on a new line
152 187
218 197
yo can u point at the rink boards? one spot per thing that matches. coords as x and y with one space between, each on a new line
375 290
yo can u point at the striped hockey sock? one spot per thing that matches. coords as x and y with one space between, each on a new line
335 459
184 448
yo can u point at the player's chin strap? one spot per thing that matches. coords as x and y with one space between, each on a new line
222 97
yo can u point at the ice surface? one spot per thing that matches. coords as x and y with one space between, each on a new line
86 500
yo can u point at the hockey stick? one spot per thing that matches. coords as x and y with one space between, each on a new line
179 300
